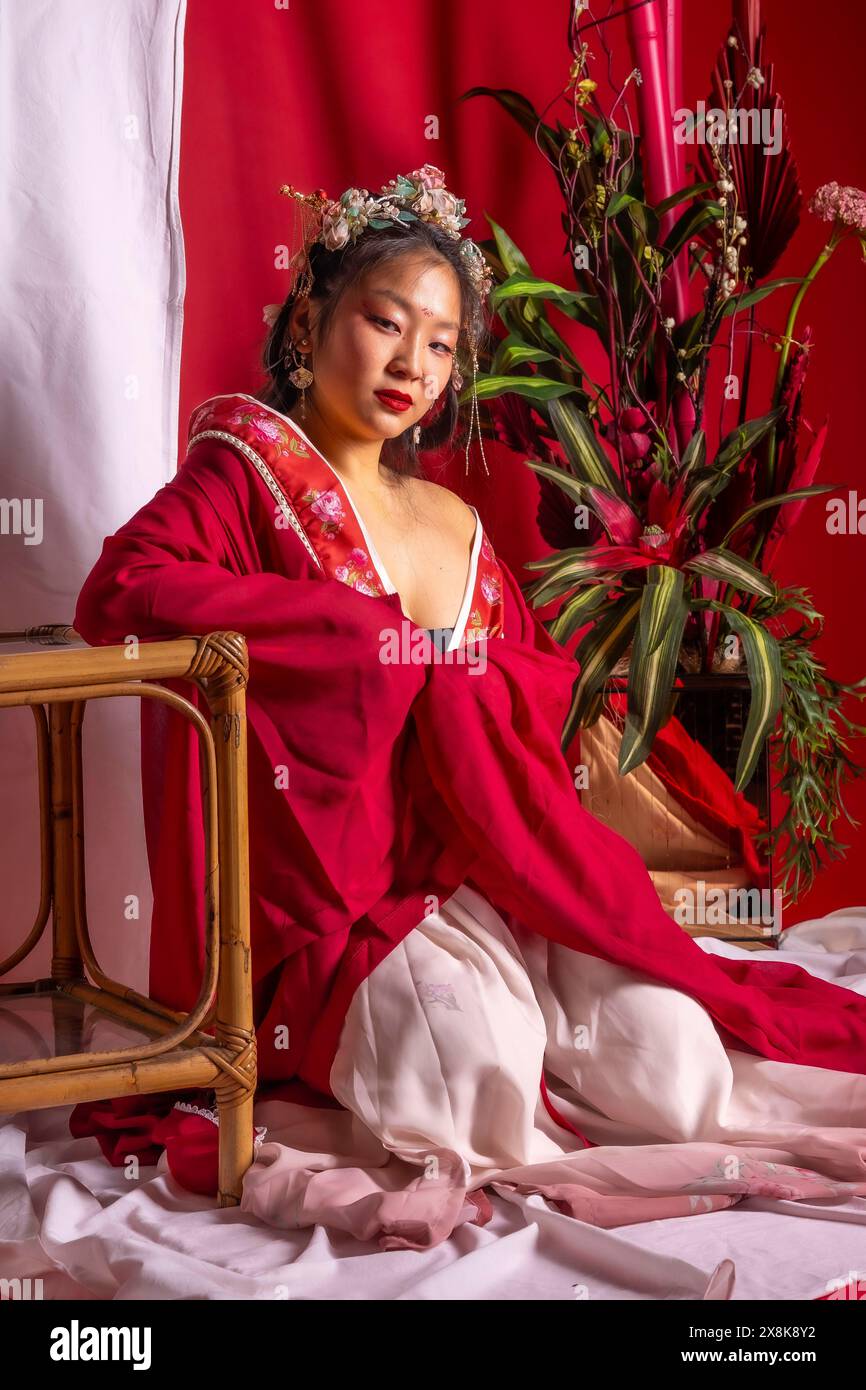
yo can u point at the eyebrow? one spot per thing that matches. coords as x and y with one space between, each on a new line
404 304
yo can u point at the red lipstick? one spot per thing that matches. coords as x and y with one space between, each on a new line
396 400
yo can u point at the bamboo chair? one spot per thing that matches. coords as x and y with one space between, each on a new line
53 671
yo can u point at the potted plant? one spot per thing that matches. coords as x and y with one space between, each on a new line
664 523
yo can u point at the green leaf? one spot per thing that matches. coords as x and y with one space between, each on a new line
743 439
510 253
577 611
512 258
764 662
661 599
688 225
600 139
513 350
607 506
681 196
557 345
571 567
547 562
709 482
582 449
524 113
597 653
652 670
537 388
583 308
695 452
617 203
646 223
571 486
523 286
745 301
732 569
687 334
779 501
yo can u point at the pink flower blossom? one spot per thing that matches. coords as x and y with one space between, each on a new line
428 176
268 429
491 588
327 506
843 205
335 231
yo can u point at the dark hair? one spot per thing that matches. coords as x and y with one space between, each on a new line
333 273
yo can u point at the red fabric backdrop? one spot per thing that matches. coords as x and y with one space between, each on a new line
341 93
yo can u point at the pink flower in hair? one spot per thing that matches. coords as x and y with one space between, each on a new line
428 176
335 231
444 207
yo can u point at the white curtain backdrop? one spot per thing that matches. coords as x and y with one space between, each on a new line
91 313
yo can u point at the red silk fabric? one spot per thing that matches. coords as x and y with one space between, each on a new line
404 780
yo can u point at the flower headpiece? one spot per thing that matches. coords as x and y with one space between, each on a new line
419 196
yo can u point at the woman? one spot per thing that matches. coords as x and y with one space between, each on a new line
441 935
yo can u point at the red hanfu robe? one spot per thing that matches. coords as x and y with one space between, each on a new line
380 781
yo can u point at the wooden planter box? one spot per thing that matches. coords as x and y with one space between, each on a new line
713 711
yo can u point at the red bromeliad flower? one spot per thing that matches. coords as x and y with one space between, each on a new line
659 540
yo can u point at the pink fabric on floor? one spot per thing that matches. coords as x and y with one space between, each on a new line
437 1069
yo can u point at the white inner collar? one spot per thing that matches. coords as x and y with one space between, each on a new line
390 586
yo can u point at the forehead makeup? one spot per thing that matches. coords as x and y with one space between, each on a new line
407 307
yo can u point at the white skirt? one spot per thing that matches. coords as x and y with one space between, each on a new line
444 1044
439 1068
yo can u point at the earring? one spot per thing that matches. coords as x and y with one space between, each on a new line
416 434
475 416
301 376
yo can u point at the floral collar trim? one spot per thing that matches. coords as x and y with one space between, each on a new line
314 502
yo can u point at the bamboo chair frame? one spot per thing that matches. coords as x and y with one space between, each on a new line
180 1055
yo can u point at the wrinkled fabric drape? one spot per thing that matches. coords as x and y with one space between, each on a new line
404 781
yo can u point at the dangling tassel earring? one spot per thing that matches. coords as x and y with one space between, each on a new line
474 414
300 377
416 435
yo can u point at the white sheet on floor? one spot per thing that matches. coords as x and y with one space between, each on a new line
70 1219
